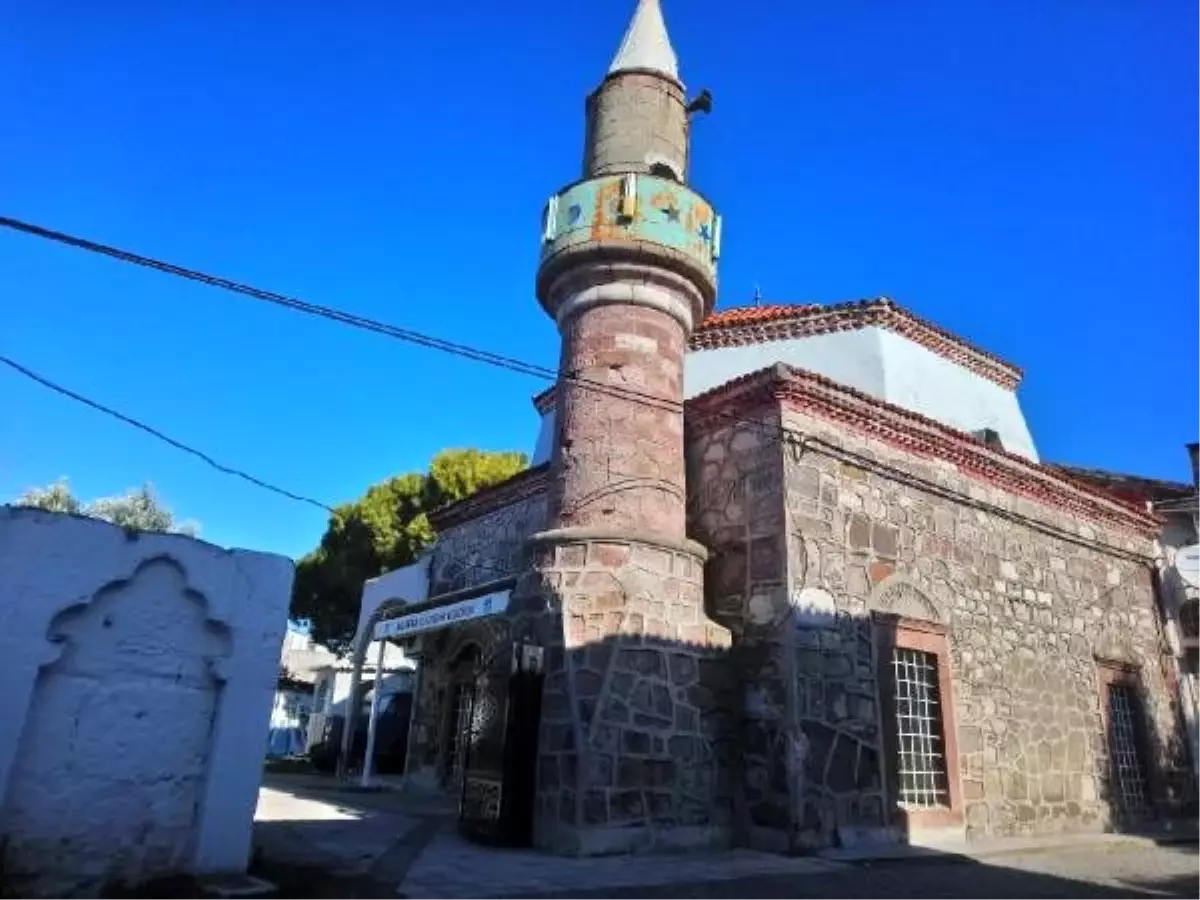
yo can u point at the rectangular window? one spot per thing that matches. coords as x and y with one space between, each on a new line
1124 747
920 758
921 766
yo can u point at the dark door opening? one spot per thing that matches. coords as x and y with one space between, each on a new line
500 769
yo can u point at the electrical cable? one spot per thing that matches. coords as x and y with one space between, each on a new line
781 432
154 432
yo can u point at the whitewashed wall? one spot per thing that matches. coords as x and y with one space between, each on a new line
409 585
885 365
138 673
876 361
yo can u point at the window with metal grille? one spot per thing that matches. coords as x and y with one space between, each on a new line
921 766
464 701
1124 747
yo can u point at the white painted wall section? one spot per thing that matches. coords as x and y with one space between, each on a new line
138 675
544 448
848 357
884 365
410 584
918 379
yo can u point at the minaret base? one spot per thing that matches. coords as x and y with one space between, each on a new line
637 734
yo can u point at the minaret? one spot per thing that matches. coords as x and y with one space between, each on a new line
628 268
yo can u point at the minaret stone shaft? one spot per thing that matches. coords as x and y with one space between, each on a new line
628 267
637 119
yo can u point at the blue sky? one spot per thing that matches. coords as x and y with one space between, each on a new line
1023 173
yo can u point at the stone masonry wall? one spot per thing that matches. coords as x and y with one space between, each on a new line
736 509
635 746
1028 616
480 550
486 548
619 460
633 121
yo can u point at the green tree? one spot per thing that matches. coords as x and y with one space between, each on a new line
138 508
385 529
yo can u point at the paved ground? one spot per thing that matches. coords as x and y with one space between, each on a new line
316 840
1128 871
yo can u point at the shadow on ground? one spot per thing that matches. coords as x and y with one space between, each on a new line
364 843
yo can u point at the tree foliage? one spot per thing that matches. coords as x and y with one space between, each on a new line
385 529
138 508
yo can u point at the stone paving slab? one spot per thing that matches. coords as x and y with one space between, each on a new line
451 867
343 839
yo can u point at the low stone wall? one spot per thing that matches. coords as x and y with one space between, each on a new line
139 672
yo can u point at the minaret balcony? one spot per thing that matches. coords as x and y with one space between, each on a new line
631 218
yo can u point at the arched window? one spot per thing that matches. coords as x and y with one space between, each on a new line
662 170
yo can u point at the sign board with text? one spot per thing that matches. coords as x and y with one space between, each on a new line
443 616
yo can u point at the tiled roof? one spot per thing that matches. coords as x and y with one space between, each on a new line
916 434
759 324
1133 488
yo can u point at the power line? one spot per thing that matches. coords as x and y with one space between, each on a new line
333 314
294 303
780 432
154 432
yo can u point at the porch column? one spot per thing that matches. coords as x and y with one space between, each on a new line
368 768
350 719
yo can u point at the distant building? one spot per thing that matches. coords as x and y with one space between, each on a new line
781 576
315 686
299 662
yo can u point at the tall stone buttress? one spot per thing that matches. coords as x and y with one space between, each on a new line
633 744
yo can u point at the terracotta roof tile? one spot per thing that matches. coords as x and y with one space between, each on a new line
759 324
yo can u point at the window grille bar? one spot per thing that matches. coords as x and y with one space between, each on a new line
1123 746
923 781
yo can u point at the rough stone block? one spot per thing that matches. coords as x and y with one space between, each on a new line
885 539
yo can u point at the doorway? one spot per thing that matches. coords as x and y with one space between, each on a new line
500 770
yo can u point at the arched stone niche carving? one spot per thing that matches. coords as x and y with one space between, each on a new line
127 695
898 595
1114 646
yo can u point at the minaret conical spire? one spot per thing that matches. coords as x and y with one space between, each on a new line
646 44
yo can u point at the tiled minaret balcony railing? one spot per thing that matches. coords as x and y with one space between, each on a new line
631 218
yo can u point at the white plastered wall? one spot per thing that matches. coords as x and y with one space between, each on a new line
885 365
139 672
410 585
874 360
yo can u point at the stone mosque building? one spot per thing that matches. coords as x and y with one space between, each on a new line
786 577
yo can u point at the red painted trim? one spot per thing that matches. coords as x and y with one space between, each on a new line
907 634
759 324
912 433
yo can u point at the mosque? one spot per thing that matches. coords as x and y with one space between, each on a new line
786 577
